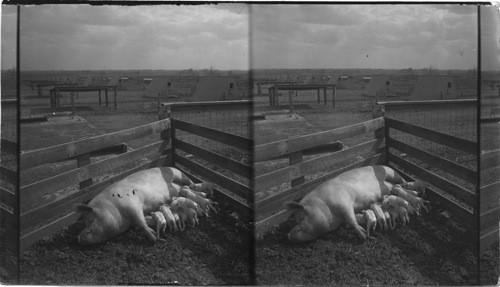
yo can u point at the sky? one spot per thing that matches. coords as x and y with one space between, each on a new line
490 38
8 30
234 36
170 37
364 36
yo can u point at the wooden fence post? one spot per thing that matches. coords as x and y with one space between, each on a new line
296 158
333 96
84 160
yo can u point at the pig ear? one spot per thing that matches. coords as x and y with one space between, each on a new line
292 205
83 208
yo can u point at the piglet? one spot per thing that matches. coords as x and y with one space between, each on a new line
169 216
161 222
417 185
205 203
188 207
180 217
388 219
371 221
379 214
403 215
417 202
391 201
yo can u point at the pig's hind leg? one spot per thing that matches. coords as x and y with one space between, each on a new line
140 221
350 220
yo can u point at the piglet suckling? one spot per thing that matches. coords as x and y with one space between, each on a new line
392 201
161 222
371 220
169 217
415 201
205 203
379 214
403 215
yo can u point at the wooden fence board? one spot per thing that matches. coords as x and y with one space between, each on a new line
214 158
275 202
237 188
490 159
464 216
434 136
84 173
8 197
49 210
286 174
448 166
9 146
468 197
490 196
222 197
8 175
213 134
75 148
283 147
489 218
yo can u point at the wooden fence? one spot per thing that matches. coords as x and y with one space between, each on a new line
270 211
44 220
410 161
9 212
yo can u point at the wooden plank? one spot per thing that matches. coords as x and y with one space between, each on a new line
72 177
490 218
283 147
434 136
8 197
488 239
275 202
462 215
27 240
221 197
205 105
286 174
237 188
468 197
9 146
213 134
490 159
8 175
75 148
444 103
489 196
227 163
49 210
448 166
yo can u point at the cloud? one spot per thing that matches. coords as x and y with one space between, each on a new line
149 36
392 36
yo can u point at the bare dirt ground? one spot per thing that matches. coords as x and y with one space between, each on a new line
218 252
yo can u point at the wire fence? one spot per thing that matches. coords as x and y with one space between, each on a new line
230 116
455 117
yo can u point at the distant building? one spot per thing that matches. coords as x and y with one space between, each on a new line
433 87
159 86
215 88
376 85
